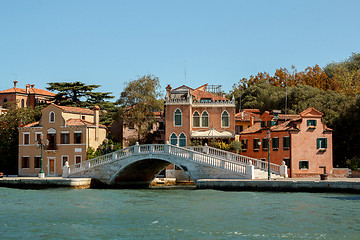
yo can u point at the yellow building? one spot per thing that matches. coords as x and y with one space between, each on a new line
66 133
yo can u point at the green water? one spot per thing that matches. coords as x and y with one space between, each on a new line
176 214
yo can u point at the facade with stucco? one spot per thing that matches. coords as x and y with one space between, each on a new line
66 133
197 114
303 142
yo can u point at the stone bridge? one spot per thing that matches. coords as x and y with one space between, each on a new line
138 165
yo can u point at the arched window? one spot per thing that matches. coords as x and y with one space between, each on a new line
225 119
205 119
196 119
177 117
173 139
52 117
182 140
22 103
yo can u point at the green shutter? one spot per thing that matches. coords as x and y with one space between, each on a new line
318 143
325 140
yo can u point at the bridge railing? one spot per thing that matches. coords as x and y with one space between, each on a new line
259 164
189 154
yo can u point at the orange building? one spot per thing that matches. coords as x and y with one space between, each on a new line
245 119
68 132
29 96
198 114
302 141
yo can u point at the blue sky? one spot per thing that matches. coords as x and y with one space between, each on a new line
112 41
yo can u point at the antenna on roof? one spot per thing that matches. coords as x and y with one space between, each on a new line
185 70
285 99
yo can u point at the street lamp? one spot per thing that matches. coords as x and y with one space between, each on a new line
268 135
41 145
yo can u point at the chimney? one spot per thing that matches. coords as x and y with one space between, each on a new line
168 89
32 85
27 86
251 120
96 121
15 83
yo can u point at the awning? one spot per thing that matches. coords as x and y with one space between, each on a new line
211 133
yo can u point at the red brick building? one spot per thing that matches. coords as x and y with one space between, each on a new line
30 96
302 141
198 114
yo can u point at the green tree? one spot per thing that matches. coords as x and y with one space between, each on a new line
9 135
138 102
81 95
346 75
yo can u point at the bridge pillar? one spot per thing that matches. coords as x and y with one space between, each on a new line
283 170
206 149
167 147
136 148
66 170
250 170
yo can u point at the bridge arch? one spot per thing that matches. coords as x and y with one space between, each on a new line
143 170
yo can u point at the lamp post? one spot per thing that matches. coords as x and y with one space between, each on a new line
42 146
268 135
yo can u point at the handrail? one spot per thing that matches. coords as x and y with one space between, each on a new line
274 168
196 156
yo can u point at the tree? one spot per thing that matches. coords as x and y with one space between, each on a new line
81 95
346 75
9 135
138 102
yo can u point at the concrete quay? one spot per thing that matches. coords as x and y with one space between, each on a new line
344 185
48 182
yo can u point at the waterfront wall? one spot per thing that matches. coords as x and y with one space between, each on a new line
345 186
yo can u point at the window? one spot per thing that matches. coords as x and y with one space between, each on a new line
287 162
77 137
38 137
182 140
52 117
286 143
311 123
25 162
65 159
205 119
271 123
83 117
244 144
225 119
275 143
321 143
196 119
256 142
37 162
64 138
177 117
22 103
265 143
304 165
239 129
77 159
26 139
52 141
131 125
263 124
173 139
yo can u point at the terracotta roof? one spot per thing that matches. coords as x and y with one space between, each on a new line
31 91
80 122
311 111
199 94
286 126
34 124
252 129
246 115
288 116
76 110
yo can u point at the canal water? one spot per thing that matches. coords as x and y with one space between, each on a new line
176 214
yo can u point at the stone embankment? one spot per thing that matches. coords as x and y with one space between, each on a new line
48 182
347 185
